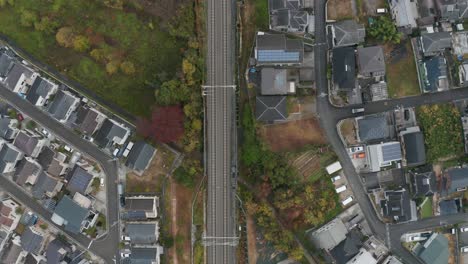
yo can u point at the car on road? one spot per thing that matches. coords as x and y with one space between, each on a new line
464 229
357 110
356 149
122 200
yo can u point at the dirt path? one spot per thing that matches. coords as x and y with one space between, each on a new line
174 219
251 240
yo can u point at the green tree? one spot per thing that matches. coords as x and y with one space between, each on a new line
65 37
385 30
46 24
127 67
112 67
81 43
172 92
183 23
98 55
27 18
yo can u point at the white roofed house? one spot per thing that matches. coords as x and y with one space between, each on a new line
405 13
383 155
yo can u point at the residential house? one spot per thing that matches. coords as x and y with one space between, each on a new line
69 214
31 240
41 90
349 247
363 257
452 10
111 133
435 43
423 184
344 68
455 180
405 13
8 128
143 233
53 162
4 237
146 254
271 108
276 49
374 128
141 207
29 142
371 61
63 105
78 180
389 178
383 155
46 186
288 16
140 156
391 260
448 207
397 206
27 171
12 252
329 235
19 78
434 250
9 157
434 74
9 219
88 120
347 33
413 146
275 82
56 251
6 63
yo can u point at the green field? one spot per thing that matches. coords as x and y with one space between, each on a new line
121 35
426 209
402 76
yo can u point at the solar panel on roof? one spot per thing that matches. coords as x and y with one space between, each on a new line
391 152
277 55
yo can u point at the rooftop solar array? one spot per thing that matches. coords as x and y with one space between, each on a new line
391 152
278 56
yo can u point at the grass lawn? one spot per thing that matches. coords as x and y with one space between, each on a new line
261 14
402 76
124 35
426 209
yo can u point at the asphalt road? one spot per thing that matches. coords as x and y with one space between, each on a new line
221 237
330 115
107 246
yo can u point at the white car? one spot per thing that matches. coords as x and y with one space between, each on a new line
125 238
464 249
125 254
356 149
102 182
464 229
336 178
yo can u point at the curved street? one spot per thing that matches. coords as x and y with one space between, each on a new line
330 115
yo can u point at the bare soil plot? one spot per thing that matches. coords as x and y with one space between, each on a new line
251 240
369 7
163 9
339 9
348 131
293 135
307 163
151 180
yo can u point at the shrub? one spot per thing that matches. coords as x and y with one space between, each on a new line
65 37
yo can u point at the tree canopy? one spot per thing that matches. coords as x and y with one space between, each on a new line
385 30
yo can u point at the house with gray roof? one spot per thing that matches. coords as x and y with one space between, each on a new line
142 206
27 171
140 156
41 90
69 214
288 16
329 235
6 63
423 183
111 133
29 142
448 207
271 108
88 120
277 49
143 233
452 10
31 240
344 69
63 105
145 255
455 180
78 180
434 250
9 157
397 206
46 186
19 78
11 253
374 128
413 146
348 33
275 82
405 13
52 162
56 251
349 247
435 43
371 61
8 129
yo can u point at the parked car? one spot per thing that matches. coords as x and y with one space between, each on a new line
122 200
125 254
464 229
347 200
341 189
464 249
102 182
336 178
356 149
125 238
20 117
357 110
382 10
359 155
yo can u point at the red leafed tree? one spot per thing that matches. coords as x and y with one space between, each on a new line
166 124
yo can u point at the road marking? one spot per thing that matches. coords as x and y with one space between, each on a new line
90 243
389 244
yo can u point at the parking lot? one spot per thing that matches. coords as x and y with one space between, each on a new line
342 182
